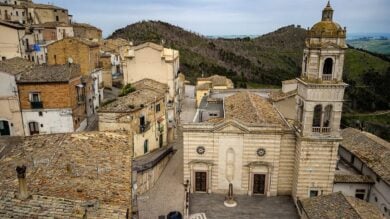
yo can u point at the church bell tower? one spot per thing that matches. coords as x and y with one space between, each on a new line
319 107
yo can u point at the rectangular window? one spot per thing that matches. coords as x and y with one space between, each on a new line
35 97
360 193
158 108
146 146
313 193
57 18
80 94
17 13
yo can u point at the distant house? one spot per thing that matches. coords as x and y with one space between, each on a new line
204 85
364 168
152 61
10 115
85 53
87 31
52 99
11 38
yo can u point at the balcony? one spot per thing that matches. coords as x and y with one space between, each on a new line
326 77
321 129
144 127
36 105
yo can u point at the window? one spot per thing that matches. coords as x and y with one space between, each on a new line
146 146
313 193
23 14
35 97
3 58
328 69
55 59
57 18
317 116
40 113
17 13
305 65
158 108
213 114
360 193
80 94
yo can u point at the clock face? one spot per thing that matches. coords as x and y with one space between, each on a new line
200 150
260 152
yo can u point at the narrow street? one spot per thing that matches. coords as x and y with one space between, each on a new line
168 193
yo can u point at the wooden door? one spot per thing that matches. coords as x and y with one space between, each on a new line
259 184
200 181
34 128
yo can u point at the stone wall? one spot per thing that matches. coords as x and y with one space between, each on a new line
60 52
315 164
147 179
90 33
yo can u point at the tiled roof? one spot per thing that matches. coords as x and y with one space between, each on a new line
279 95
203 86
45 206
218 80
16 65
132 102
352 178
251 109
336 205
89 166
151 85
12 25
50 73
52 25
370 149
85 25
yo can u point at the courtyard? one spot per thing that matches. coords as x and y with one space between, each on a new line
247 206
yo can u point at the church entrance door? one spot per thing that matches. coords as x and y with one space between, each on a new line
259 184
200 181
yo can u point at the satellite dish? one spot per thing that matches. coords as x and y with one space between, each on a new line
70 60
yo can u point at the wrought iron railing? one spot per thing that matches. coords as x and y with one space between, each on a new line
36 105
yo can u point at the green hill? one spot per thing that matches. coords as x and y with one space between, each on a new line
267 59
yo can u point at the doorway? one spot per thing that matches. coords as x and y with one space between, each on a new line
259 184
34 128
4 128
200 181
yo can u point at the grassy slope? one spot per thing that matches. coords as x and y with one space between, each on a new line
378 46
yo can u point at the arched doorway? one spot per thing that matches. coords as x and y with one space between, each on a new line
4 128
34 128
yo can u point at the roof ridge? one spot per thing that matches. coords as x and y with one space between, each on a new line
258 113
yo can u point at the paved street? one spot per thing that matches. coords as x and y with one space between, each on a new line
248 207
188 108
168 193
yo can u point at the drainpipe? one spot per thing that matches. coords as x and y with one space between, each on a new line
21 173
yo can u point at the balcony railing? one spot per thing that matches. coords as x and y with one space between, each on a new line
144 127
36 105
321 129
326 77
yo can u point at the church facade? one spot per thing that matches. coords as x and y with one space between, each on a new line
260 151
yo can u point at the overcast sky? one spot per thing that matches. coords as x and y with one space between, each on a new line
229 17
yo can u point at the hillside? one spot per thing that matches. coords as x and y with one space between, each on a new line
267 59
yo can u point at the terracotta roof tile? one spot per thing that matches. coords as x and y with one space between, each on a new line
16 65
50 73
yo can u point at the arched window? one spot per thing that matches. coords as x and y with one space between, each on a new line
328 69
317 116
327 115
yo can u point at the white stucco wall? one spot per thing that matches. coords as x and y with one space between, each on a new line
349 189
53 120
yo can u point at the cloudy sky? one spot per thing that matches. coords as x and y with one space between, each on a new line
229 17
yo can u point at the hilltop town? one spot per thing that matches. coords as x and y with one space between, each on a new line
120 128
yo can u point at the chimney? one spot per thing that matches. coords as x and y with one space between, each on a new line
21 172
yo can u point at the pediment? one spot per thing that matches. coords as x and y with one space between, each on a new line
230 127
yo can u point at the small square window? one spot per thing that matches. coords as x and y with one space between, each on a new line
41 125
40 113
313 193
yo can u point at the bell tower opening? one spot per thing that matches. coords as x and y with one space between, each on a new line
327 70
327 13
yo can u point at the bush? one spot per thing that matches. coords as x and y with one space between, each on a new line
126 90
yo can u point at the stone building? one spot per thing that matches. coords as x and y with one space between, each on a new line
204 85
87 31
11 40
152 61
11 123
86 54
260 151
27 12
142 114
364 168
73 175
52 99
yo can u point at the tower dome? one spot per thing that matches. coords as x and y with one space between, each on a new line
327 27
